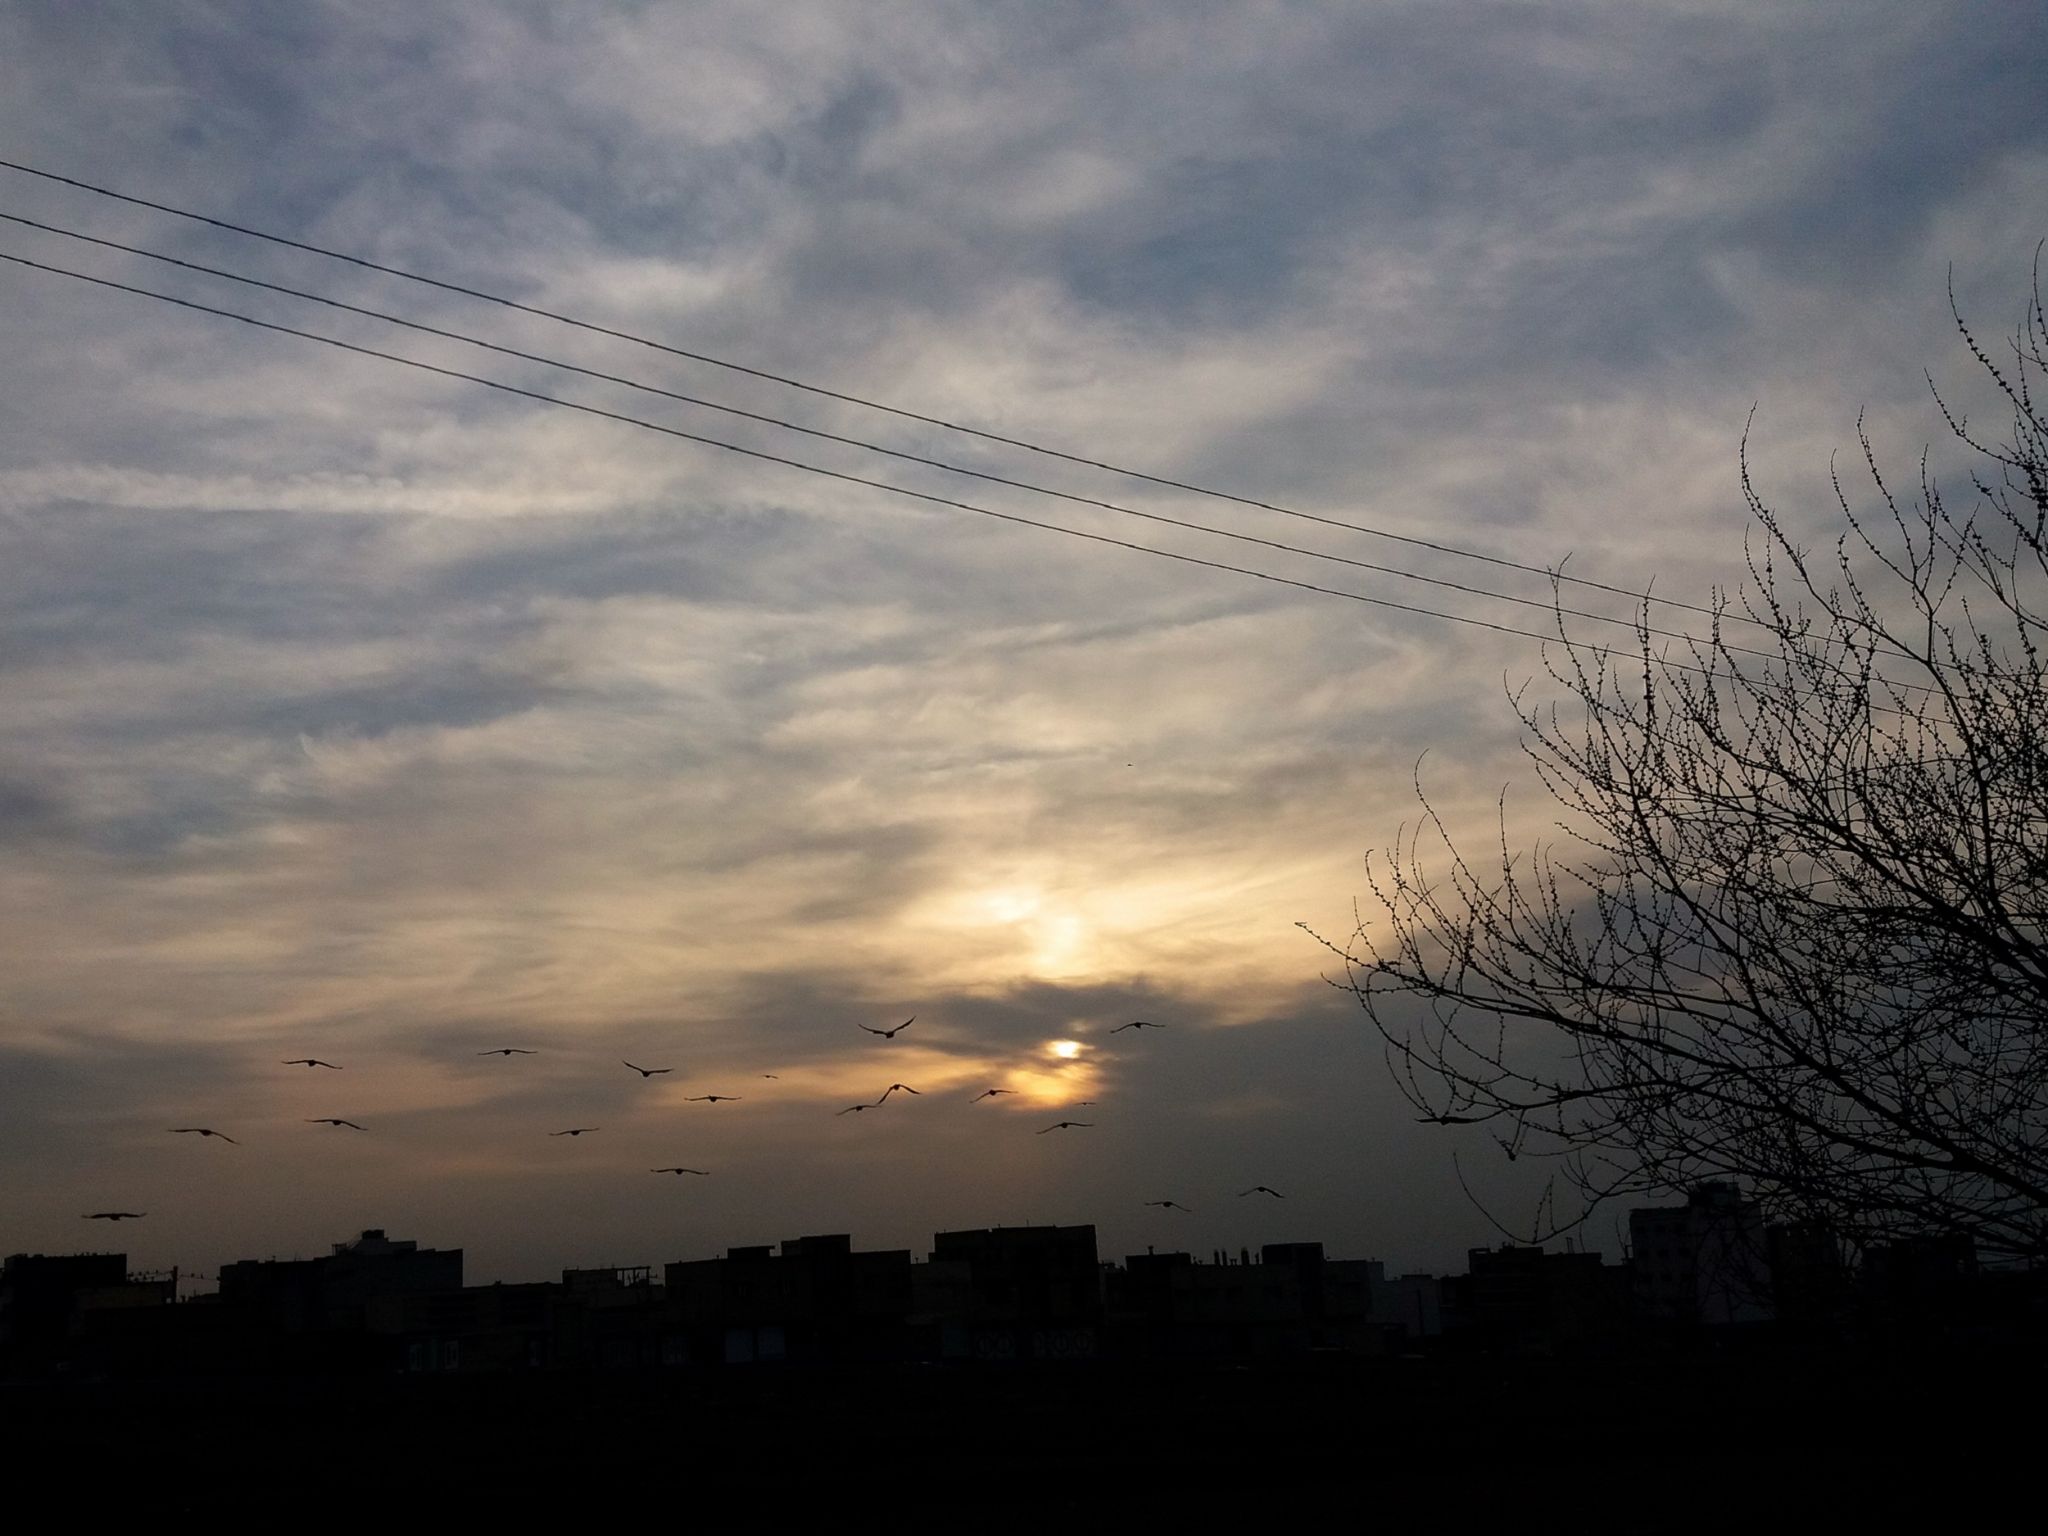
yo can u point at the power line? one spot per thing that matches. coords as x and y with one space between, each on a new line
844 476
863 401
1553 607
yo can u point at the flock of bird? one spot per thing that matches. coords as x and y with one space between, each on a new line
648 1073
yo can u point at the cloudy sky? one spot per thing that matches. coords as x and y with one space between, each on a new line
354 712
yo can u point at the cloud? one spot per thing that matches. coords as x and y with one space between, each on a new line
350 710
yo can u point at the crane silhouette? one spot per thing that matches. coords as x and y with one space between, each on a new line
703 1172
893 1087
854 1109
1170 1205
577 1131
1136 1024
331 1120
646 1071
200 1130
1069 1125
115 1216
989 1093
891 1034
712 1098
310 1061
508 1050
1260 1189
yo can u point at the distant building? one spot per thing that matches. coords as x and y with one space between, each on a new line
39 1301
1922 1288
1810 1279
815 1301
1031 1293
1704 1263
336 1293
1408 1306
1525 1301
1295 1300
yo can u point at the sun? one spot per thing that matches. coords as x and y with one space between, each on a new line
1066 1050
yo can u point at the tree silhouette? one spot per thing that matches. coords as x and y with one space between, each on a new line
1798 937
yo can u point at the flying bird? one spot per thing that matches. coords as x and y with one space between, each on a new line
705 1172
891 1034
1136 1024
200 1130
1068 1125
646 1071
330 1120
891 1089
771 1077
1260 1189
1083 1103
578 1131
508 1050
310 1061
989 1093
1169 1205
854 1109
712 1098
115 1216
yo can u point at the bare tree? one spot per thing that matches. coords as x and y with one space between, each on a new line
1796 938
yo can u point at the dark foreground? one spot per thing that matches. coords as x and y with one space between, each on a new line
1526 1445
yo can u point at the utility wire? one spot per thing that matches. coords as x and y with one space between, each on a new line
817 469
1553 607
869 404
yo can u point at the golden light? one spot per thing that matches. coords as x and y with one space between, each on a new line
1009 906
1066 1050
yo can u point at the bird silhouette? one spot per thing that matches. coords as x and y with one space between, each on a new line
200 1130
646 1071
578 1131
989 1093
115 1216
891 1089
1136 1024
330 1120
310 1061
771 1077
1170 1205
705 1172
1068 1125
508 1050
712 1098
1260 1189
891 1034
1083 1103
854 1109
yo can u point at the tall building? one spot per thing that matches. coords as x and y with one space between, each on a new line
1524 1301
39 1298
1030 1292
1704 1263
817 1300
338 1291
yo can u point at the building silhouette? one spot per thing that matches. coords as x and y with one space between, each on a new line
1702 1264
1526 1301
817 1301
51 1304
1021 1293
1000 1297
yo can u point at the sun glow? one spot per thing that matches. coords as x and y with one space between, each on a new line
1063 1076
1036 929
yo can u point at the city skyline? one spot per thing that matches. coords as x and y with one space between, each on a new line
361 717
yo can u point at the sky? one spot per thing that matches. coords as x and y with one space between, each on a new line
354 712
